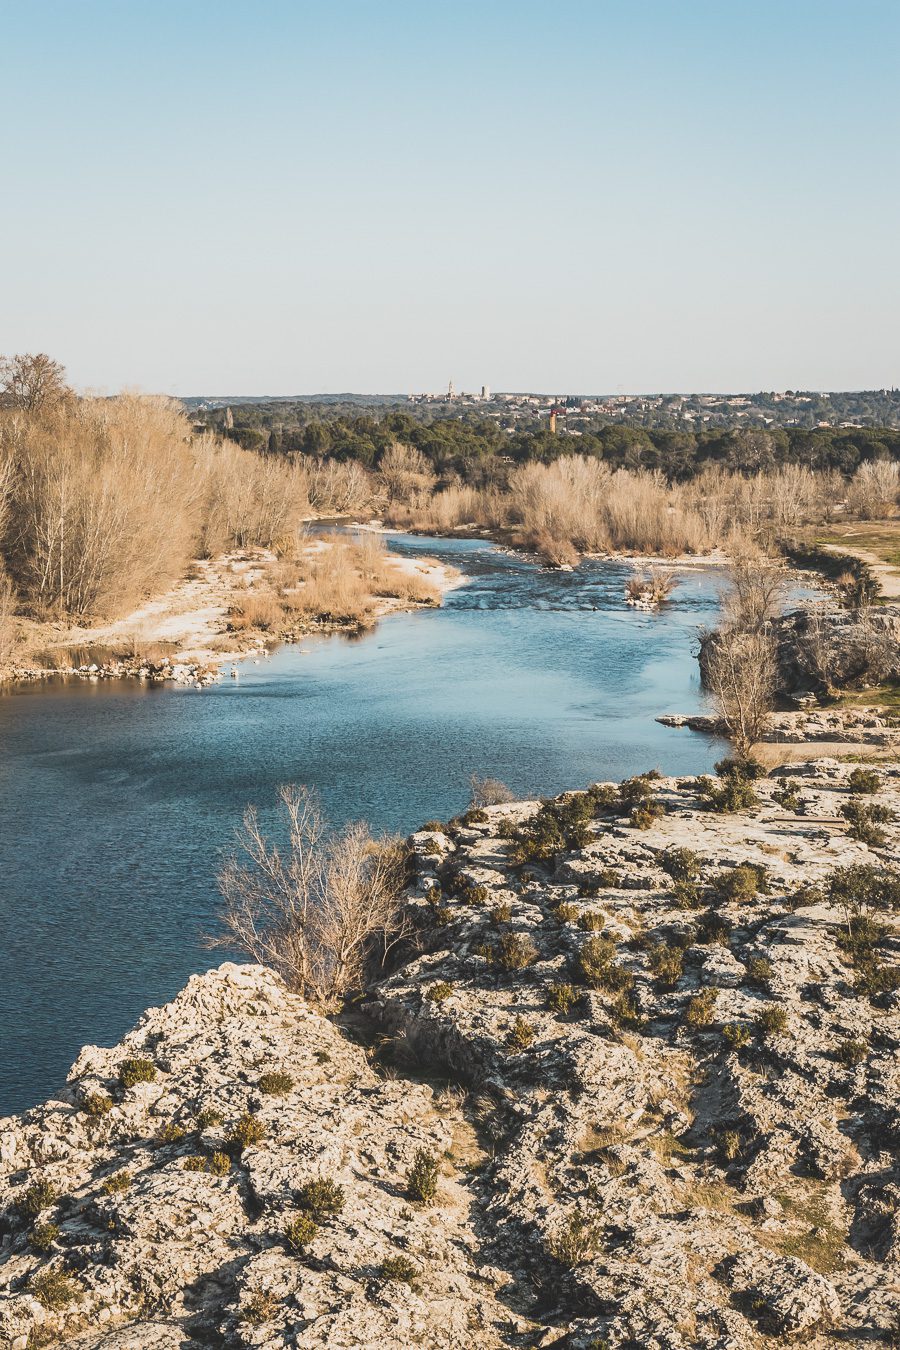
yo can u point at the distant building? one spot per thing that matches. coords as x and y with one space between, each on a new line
485 392
451 392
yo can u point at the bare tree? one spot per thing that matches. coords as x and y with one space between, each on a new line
740 673
317 910
758 584
405 471
489 792
31 382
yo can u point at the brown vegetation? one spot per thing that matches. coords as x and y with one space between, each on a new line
316 911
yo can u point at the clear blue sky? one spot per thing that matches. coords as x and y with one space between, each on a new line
219 196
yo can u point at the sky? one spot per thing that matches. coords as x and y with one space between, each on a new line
571 196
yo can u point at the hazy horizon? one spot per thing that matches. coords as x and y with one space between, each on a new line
593 195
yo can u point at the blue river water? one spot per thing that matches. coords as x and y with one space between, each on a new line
117 801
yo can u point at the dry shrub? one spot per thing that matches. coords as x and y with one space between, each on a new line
875 489
250 499
8 635
317 910
446 510
337 488
405 472
258 610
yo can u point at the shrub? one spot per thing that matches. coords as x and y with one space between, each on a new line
300 1232
260 1308
37 1197
275 1084
700 1008
566 913
687 894
667 964
53 1289
591 921
734 792
713 928
42 1237
501 913
135 1071
728 1143
681 864
219 1164
558 826
787 796
208 1118
736 1035
864 780
515 951
321 1197
642 817
759 971
439 992
576 1241
474 895
422 1181
399 1268
772 1020
248 1131
195 1163
863 886
476 817
607 878
864 822
594 959
850 1053
117 1184
520 1035
170 1133
741 883
625 1011
561 998
97 1104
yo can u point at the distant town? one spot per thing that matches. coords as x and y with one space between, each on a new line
573 414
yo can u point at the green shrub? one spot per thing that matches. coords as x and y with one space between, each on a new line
170 1133
687 894
594 959
734 792
625 1011
476 817
566 913
864 822
135 1071
759 971
42 1237
667 964
787 796
591 921
501 913
422 1182
37 1197
248 1131
208 1118
729 1144
435 826
97 1104
399 1268
321 1197
713 928
863 886
645 815
275 1084
604 798
741 883
681 864
117 1184
53 1289
439 992
736 1035
515 951
300 1232
772 1020
700 1008
608 878
195 1163
259 1308
561 998
559 826
474 895
520 1035
850 1053
219 1164
864 780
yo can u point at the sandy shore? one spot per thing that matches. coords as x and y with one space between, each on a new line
186 629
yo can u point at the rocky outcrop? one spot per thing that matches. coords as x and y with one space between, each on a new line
629 1087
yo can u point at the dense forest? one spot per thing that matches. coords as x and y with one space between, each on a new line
482 453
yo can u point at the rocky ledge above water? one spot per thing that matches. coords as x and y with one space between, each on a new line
651 1076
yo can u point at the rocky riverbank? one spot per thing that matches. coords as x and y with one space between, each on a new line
636 1083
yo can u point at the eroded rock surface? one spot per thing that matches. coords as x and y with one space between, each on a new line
664 1109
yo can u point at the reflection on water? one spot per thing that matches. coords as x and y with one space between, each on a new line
117 800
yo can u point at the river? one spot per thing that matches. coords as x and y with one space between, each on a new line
117 801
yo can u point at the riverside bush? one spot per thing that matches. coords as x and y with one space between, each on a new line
735 791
